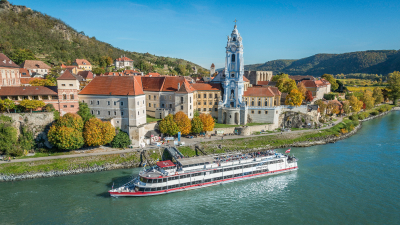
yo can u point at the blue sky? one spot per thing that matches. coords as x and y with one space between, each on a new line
197 30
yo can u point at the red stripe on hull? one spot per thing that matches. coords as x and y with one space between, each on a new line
196 186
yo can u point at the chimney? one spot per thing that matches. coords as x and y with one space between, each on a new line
179 86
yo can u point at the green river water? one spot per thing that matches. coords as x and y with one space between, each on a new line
353 181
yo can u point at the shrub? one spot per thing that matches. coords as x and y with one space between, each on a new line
26 140
8 137
65 137
49 107
97 132
353 117
71 120
374 113
121 140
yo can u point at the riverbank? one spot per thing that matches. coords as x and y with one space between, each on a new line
68 166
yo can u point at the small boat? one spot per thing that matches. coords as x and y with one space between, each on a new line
184 174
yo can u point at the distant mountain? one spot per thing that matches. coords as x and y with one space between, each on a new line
54 42
372 62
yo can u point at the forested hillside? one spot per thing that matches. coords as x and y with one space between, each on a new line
371 62
24 31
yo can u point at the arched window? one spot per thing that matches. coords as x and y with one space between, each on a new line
259 103
234 39
233 57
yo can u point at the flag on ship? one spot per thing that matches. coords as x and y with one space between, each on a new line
287 151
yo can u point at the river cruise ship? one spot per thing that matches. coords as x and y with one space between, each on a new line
204 171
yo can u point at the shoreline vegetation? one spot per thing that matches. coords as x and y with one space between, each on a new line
60 167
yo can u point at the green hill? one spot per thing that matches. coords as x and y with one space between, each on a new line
53 41
370 62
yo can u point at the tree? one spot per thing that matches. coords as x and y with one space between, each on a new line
355 104
294 98
332 80
377 95
54 74
208 122
49 107
7 104
31 104
181 69
394 86
368 100
42 82
20 55
84 112
346 107
303 90
121 140
8 134
322 106
71 120
332 108
183 122
98 70
279 76
309 96
168 126
65 137
286 85
97 132
197 125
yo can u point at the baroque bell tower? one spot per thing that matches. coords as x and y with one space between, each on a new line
232 109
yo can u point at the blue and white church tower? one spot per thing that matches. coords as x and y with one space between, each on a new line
232 109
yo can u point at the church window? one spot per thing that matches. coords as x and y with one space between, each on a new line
259 103
233 58
252 103
232 93
234 39
233 75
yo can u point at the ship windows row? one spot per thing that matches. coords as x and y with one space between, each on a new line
201 181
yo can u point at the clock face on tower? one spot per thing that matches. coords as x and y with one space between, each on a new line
233 48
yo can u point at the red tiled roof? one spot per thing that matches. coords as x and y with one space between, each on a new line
113 85
309 83
27 80
171 83
86 74
275 90
185 88
259 92
262 82
27 90
127 72
206 86
153 83
24 73
82 62
245 79
124 59
67 75
154 74
6 62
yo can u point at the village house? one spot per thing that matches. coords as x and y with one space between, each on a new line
9 72
123 63
206 97
36 68
119 99
72 69
82 64
318 88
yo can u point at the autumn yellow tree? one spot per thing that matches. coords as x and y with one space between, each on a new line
368 99
183 122
377 95
302 89
286 85
168 126
31 104
71 120
332 108
42 82
355 104
97 132
208 122
65 138
294 98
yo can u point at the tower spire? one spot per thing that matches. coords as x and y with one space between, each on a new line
235 23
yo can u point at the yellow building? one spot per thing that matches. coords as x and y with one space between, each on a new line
82 64
206 98
259 96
